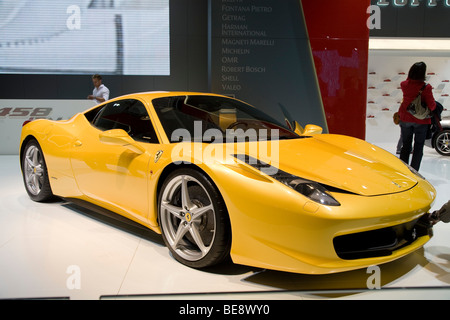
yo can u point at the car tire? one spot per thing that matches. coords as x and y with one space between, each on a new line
35 174
442 142
193 219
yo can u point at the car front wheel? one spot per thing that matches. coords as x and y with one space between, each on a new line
193 219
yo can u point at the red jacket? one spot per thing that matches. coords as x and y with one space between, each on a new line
410 90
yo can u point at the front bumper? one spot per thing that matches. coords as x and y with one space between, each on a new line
381 242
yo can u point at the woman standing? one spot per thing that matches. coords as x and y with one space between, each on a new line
411 127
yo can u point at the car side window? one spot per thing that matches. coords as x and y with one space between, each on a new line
129 115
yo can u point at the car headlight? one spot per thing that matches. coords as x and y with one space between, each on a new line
310 189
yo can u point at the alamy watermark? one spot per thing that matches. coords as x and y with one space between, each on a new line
374 280
73 281
262 144
374 21
73 21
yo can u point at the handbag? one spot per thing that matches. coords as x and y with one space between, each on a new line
418 108
396 118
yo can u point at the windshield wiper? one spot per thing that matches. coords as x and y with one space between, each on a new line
293 137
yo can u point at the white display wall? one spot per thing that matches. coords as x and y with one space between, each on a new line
13 113
387 69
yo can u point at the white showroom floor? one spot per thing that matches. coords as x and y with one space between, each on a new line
57 250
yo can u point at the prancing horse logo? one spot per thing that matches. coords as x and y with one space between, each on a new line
158 155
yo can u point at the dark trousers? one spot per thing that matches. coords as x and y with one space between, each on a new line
417 132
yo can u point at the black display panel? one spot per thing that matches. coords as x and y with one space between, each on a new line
413 18
175 60
260 53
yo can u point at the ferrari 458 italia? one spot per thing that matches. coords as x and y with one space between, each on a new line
218 178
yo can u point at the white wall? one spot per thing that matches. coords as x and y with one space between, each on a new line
387 69
13 113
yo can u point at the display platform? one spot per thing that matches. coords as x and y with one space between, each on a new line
61 251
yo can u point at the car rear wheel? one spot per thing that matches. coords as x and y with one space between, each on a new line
193 219
34 171
442 142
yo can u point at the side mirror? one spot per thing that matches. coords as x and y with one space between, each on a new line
309 130
312 129
120 138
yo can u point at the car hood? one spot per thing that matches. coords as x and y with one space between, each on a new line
345 163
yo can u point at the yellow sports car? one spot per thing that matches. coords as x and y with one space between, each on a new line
218 178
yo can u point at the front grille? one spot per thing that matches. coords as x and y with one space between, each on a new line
380 242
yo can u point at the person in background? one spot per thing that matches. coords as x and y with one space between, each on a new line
101 92
411 127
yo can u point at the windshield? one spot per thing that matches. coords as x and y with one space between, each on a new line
216 119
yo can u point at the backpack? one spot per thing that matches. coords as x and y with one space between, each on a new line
418 108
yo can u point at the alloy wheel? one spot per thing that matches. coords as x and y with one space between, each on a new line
33 167
194 220
443 143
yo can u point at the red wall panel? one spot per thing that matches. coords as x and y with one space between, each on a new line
339 39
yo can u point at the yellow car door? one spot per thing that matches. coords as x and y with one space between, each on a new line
112 157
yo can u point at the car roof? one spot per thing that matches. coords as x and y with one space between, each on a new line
160 94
